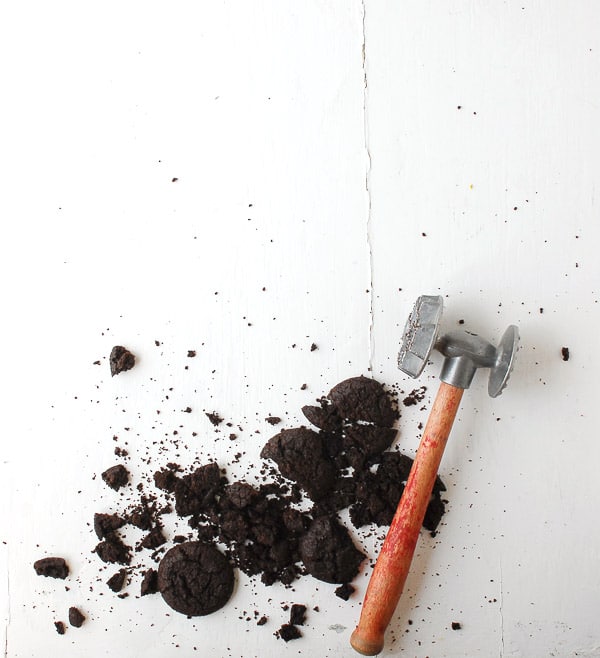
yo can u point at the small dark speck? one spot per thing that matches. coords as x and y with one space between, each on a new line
461 322
174 180
424 235
313 347
459 107
303 387
191 353
565 353
541 309
515 208
456 626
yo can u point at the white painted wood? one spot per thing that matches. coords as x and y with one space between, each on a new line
294 176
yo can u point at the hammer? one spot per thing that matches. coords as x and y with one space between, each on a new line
464 352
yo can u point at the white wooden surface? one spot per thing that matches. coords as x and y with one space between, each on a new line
314 173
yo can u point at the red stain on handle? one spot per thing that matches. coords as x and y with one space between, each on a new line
393 564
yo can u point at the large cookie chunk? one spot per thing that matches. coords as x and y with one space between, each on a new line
361 398
301 456
328 552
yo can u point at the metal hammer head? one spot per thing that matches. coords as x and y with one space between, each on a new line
464 351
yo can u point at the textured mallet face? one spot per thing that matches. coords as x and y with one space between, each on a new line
420 334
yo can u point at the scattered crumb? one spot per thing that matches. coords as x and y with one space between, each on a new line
76 617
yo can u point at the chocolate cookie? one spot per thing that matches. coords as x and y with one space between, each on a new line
195 578
328 552
361 398
301 456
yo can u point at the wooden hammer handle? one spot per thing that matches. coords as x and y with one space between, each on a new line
393 564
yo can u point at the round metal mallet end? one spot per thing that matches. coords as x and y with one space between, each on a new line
420 334
505 358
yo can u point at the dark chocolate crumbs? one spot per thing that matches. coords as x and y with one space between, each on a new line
214 418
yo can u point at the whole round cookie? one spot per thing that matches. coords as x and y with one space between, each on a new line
195 578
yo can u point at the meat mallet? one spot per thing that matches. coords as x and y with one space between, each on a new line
464 353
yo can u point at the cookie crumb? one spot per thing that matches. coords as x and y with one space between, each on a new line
51 567
288 632
344 591
117 580
297 614
214 418
116 476
149 583
120 360
76 617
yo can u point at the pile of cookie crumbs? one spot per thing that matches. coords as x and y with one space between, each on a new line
285 528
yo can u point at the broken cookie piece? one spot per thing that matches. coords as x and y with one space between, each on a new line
149 583
51 567
117 580
121 359
344 591
328 552
76 617
113 550
116 476
361 398
105 525
297 614
301 456
288 632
